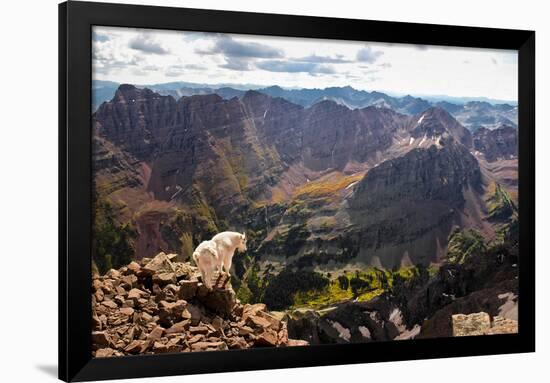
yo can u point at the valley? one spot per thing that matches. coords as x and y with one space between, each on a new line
346 207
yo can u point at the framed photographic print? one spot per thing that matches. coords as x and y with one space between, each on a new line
248 191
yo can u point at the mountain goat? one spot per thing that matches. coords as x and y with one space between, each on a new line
206 258
226 244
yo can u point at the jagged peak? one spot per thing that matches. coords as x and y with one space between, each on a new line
129 91
254 95
201 98
435 111
327 103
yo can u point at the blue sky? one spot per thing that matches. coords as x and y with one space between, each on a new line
142 57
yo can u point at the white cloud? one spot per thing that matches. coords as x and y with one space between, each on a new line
151 56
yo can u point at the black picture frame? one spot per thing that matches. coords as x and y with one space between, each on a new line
75 204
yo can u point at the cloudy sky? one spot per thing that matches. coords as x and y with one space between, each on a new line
141 57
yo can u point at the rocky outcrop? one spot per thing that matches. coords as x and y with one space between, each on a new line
500 143
158 306
135 119
435 122
224 163
407 206
482 324
351 322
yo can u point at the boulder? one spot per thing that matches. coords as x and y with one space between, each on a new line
472 324
188 289
198 330
195 313
171 312
159 348
128 311
503 325
163 279
267 338
104 352
208 346
136 294
134 347
297 342
220 301
134 268
258 322
160 264
101 338
237 342
179 327
158 306
156 334
109 304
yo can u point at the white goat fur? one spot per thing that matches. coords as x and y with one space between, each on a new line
226 244
206 258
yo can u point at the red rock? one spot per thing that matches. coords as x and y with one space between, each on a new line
134 347
161 263
121 291
179 327
104 352
273 321
129 281
127 311
156 334
217 323
96 284
267 338
134 267
159 348
237 343
196 314
297 342
245 330
136 294
114 274
164 278
99 295
208 346
188 289
258 321
96 322
100 338
110 304
195 338
198 330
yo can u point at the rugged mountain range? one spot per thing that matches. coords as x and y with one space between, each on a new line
322 187
471 114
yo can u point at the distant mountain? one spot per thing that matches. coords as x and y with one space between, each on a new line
500 143
389 223
102 91
475 114
470 113
283 171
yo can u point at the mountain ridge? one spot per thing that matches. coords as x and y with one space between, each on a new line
211 163
467 113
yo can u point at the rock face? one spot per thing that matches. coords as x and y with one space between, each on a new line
418 197
368 185
159 306
351 322
481 324
479 113
500 143
473 324
435 122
